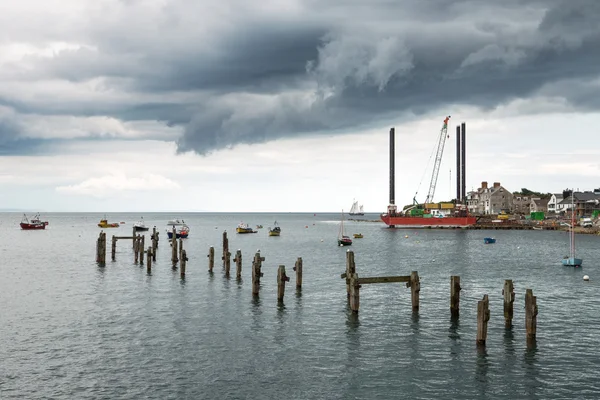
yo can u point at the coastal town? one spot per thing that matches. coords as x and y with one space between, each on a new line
496 206
496 199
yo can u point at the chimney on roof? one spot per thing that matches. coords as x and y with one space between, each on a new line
496 185
484 185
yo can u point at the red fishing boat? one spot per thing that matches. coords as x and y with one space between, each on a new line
34 223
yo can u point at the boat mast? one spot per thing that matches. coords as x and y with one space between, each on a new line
572 224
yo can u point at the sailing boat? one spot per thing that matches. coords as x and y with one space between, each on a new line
343 240
356 209
571 260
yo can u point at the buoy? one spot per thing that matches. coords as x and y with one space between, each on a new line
306 226
586 278
406 236
341 245
321 240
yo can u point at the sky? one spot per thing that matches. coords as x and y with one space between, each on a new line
286 105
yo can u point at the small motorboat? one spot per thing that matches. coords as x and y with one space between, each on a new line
33 224
358 236
244 228
275 231
489 240
182 231
105 224
140 225
572 261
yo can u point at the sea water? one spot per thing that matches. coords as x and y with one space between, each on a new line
70 329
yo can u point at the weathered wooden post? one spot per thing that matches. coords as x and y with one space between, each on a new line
509 299
298 269
483 316
350 269
174 258
113 249
180 248
531 312
211 259
354 293
154 244
415 288
238 264
136 251
184 260
454 295
101 249
149 260
104 247
226 257
142 247
133 235
282 278
256 272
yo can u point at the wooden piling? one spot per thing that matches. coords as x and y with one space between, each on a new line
149 260
134 236
113 249
238 264
531 312
226 257
180 248
154 244
282 278
184 260
256 273
454 295
142 247
354 292
298 269
415 288
350 269
211 259
101 249
509 298
174 258
136 252
483 316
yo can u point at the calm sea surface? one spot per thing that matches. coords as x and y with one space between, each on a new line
70 329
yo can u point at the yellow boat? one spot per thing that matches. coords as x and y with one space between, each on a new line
358 236
276 231
104 224
244 228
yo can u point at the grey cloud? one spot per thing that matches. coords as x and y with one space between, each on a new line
328 67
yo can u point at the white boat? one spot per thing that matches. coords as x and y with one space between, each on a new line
356 209
140 225
181 229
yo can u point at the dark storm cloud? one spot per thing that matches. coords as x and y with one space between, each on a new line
11 140
259 74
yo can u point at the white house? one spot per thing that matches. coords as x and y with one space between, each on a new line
554 203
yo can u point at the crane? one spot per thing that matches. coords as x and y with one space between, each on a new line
438 160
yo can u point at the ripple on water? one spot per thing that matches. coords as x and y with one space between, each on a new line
69 329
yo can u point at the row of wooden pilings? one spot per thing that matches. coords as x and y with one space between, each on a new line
138 244
178 254
257 273
354 283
